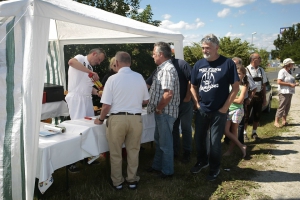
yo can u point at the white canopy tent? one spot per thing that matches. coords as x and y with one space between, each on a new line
26 27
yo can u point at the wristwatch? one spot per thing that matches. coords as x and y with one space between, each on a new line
157 110
101 120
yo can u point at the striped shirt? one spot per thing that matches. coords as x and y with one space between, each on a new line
166 77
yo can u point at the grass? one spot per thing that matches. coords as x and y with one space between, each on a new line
93 182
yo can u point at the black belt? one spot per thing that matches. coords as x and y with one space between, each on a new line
125 113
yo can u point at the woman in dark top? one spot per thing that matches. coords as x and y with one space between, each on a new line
112 70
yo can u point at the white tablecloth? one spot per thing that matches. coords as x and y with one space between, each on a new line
54 109
82 139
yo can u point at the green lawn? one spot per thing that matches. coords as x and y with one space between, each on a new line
93 182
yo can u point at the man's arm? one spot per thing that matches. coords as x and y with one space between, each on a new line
73 62
104 111
188 94
231 97
195 95
166 98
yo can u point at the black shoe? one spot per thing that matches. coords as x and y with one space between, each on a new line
213 175
118 187
186 157
133 185
164 176
198 167
151 170
255 136
73 169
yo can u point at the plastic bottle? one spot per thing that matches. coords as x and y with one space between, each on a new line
98 84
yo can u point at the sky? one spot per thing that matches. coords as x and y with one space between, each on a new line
257 21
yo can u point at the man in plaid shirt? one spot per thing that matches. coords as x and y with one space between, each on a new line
164 101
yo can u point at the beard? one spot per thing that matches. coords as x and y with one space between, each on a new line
206 56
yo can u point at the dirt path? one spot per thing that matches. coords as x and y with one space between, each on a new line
281 179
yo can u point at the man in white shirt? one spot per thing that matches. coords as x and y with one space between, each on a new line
80 86
259 99
123 97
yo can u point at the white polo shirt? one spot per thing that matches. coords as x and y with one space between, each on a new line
125 91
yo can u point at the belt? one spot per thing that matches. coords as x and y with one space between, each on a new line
125 113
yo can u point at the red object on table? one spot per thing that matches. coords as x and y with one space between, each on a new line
44 98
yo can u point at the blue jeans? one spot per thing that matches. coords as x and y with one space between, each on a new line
185 118
164 156
213 123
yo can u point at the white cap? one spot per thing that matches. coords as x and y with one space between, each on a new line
287 61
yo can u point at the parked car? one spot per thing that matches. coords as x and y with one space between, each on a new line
269 91
297 77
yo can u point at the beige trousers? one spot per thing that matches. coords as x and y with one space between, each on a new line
124 129
284 105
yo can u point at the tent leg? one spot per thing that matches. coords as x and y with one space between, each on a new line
67 179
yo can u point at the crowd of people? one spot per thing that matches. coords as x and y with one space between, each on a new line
219 91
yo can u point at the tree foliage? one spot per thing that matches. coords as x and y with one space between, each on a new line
287 44
125 8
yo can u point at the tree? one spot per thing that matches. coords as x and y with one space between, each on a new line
125 8
287 45
146 16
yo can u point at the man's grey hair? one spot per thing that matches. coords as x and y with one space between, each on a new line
238 60
210 38
164 48
123 57
98 51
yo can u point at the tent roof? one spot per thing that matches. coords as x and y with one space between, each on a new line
81 22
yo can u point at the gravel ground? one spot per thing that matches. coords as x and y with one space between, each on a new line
281 178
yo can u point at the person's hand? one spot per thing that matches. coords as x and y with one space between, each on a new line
97 121
196 106
264 101
95 76
100 93
223 110
247 101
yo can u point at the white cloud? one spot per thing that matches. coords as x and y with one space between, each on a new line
236 3
189 40
224 12
241 12
285 1
234 35
140 10
181 25
166 16
242 24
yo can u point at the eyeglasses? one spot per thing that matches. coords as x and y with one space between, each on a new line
259 58
210 39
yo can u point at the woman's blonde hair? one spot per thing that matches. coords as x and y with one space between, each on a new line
112 63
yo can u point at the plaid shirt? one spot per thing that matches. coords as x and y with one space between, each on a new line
165 77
